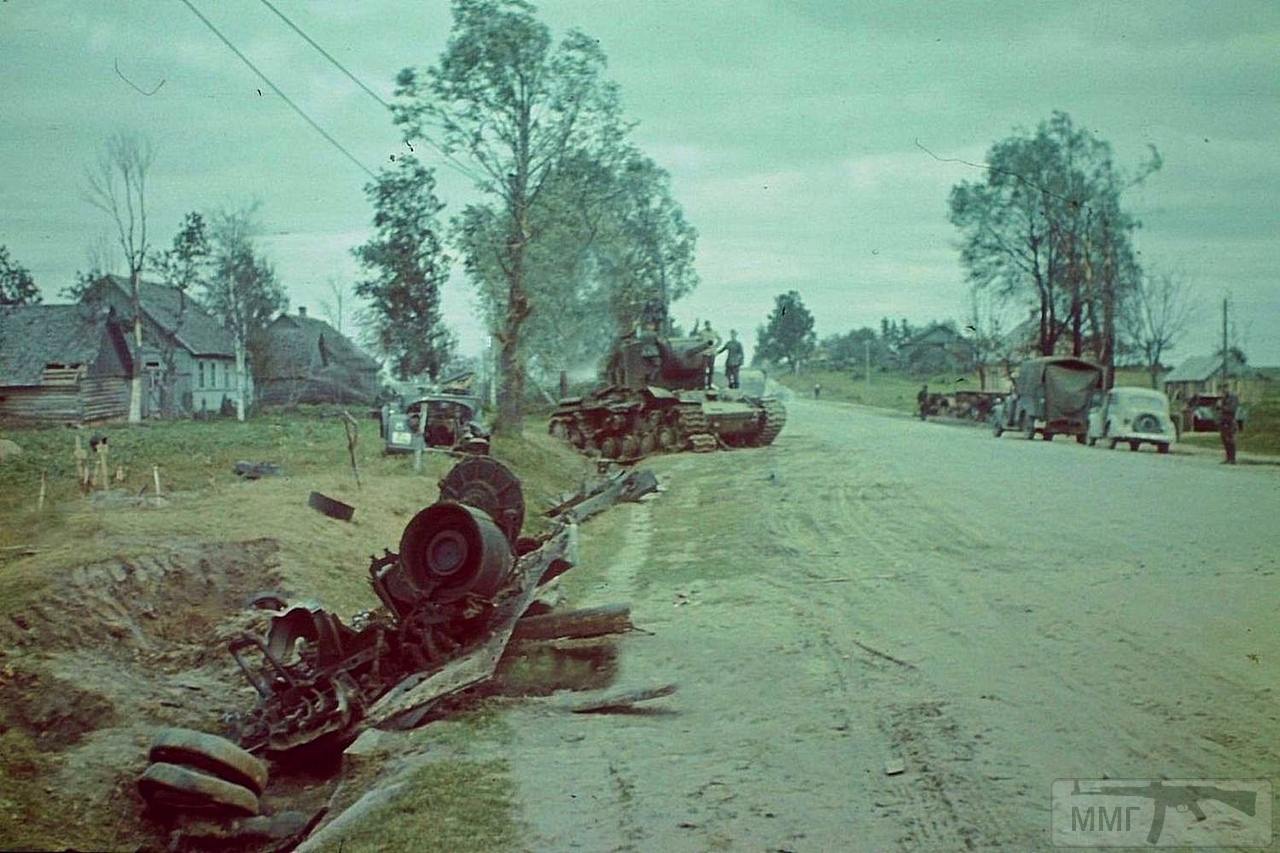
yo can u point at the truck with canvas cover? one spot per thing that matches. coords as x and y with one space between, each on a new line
1051 395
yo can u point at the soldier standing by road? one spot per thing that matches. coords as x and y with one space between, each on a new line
1227 408
709 359
922 400
732 360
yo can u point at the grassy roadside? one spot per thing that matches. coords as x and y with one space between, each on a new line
457 803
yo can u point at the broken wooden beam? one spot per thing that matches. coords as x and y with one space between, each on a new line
618 700
586 622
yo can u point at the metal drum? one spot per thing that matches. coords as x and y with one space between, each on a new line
450 550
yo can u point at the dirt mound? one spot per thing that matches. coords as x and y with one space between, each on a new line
146 605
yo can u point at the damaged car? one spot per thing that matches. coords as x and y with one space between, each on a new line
435 420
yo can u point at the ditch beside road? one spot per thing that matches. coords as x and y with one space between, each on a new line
891 634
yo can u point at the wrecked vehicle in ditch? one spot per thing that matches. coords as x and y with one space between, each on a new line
654 400
1052 396
447 421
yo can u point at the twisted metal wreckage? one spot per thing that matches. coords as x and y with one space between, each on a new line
451 598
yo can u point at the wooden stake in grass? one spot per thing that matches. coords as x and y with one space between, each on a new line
155 475
353 434
82 473
44 485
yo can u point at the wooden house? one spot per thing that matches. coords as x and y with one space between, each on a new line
66 363
1202 374
188 358
305 360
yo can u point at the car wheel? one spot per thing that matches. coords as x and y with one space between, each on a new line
1162 448
1134 445
1093 441
1048 436
1112 443
1081 438
1028 426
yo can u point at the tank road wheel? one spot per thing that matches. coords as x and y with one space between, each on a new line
560 429
648 442
630 446
668 441
610 447
212 754
576 438
171 786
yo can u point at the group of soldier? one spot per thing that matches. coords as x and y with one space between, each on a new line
732 349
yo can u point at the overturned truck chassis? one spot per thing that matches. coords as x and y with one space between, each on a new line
462 574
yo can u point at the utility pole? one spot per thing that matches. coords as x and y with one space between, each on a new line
866 360
1224 340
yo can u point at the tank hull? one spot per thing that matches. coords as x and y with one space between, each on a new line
630 424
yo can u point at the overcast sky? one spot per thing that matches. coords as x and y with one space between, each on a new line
790 130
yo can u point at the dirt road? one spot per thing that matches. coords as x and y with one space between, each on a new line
992 614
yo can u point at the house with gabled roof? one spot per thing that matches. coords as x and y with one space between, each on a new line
306 360
66 363
187 357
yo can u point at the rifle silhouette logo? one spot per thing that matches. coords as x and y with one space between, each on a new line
1181 797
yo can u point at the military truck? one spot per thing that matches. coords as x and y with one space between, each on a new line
1051 395
653 399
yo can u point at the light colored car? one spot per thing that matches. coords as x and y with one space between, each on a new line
1134 415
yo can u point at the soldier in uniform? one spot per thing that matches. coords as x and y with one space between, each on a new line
709 359
922 400
733 358
1227 408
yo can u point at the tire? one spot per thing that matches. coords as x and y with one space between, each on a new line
1081 438
1048 436
1111 445
1028 426
1134 445
210 754
328 506
1162 447
1093 441
169 786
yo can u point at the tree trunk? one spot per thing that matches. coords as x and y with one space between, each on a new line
135 383
240 378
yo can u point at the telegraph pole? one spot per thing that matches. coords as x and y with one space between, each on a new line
1224 340
866 360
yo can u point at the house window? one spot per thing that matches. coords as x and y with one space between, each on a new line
200 373
226 375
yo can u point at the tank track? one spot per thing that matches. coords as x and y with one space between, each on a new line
693 421
775 418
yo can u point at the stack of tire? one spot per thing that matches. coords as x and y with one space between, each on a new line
197 773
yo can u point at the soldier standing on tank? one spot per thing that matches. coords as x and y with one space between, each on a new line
1227 408
922 400
732 359
709 359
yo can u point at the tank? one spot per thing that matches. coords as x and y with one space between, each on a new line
653 400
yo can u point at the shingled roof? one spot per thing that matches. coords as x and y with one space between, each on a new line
293 349
34 336
198 332
1202 368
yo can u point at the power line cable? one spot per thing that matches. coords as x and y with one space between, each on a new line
450 160
325 54
276 89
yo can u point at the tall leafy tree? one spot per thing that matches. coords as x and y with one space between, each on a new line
242 289
1046 227
788 335
17 287
406 267
514 107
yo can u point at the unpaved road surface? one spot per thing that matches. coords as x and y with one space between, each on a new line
992 614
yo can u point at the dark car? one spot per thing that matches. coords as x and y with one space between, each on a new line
1200 413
